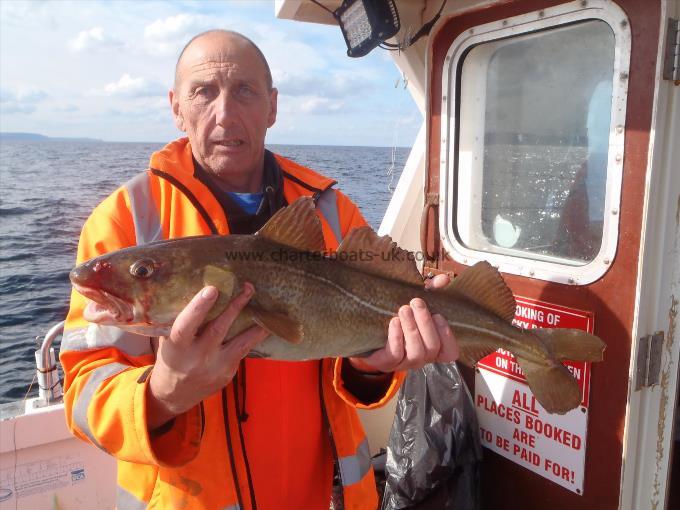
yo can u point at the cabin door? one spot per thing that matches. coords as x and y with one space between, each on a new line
539 125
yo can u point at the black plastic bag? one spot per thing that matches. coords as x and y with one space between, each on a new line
434 450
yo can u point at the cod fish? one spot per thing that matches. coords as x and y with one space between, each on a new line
317 304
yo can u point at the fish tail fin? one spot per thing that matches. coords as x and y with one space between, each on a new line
552 385
571 344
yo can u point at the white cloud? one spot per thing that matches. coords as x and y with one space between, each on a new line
23 101
9 108
68 108
312 105
343 84
288 56
31 95
90 94
128 86
167 36
93 38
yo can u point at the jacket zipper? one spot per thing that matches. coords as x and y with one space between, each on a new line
324 413
253 501
225 414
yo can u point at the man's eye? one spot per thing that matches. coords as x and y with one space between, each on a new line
246 91
202 93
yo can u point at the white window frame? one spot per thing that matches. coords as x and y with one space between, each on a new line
550 268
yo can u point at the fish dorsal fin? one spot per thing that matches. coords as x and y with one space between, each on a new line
296 226
483 284
365 250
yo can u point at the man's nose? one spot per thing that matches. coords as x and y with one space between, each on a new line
226 109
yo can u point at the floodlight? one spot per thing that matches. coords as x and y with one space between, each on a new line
366 23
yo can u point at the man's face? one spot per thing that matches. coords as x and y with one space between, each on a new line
223 103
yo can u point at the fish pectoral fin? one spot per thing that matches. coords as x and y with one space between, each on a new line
224 280
484 285
278 324
553 385
571 344
379 255
296 226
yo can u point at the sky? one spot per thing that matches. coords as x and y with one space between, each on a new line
102 69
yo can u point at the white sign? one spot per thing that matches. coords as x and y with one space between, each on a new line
513 424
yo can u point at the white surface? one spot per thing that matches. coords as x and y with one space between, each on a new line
43 466
649 424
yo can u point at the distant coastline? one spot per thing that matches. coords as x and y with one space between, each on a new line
35 137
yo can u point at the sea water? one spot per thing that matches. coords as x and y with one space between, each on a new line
49 189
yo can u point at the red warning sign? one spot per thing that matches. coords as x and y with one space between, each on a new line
532 313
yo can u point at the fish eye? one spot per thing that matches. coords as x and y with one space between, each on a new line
142 268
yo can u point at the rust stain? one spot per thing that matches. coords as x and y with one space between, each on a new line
664 384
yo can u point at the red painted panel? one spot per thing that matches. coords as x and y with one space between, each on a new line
610 299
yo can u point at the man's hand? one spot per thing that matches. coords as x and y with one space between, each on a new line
414 338
192 365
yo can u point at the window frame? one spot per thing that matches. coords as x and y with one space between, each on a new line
543 267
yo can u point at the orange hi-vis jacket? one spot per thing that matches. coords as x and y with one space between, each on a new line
199 461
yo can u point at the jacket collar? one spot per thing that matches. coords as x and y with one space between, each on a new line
176 159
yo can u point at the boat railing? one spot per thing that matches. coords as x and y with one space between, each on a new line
49 383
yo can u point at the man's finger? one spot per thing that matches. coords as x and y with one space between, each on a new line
392 354
437 282
449 350
427 329
191 317
413 343
239 346
395 342
218 328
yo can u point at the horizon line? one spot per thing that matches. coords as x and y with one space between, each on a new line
86 139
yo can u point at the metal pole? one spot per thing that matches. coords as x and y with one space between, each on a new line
49 384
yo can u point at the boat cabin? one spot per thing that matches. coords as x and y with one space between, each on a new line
549 147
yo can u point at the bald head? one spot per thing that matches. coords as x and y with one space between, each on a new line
225 37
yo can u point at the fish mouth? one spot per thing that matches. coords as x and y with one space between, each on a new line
104 307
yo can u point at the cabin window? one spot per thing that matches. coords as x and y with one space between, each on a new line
532 133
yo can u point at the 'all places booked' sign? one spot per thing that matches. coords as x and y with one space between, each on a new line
512 422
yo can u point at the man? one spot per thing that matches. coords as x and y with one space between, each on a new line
192 423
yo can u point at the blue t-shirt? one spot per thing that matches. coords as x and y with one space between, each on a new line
249 202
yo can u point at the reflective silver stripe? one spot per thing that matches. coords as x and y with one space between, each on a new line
354 467
97 376
97 337
127 501
73 340
144 213
328 205
232 507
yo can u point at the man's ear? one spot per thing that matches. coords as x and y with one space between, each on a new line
272 107
176 112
